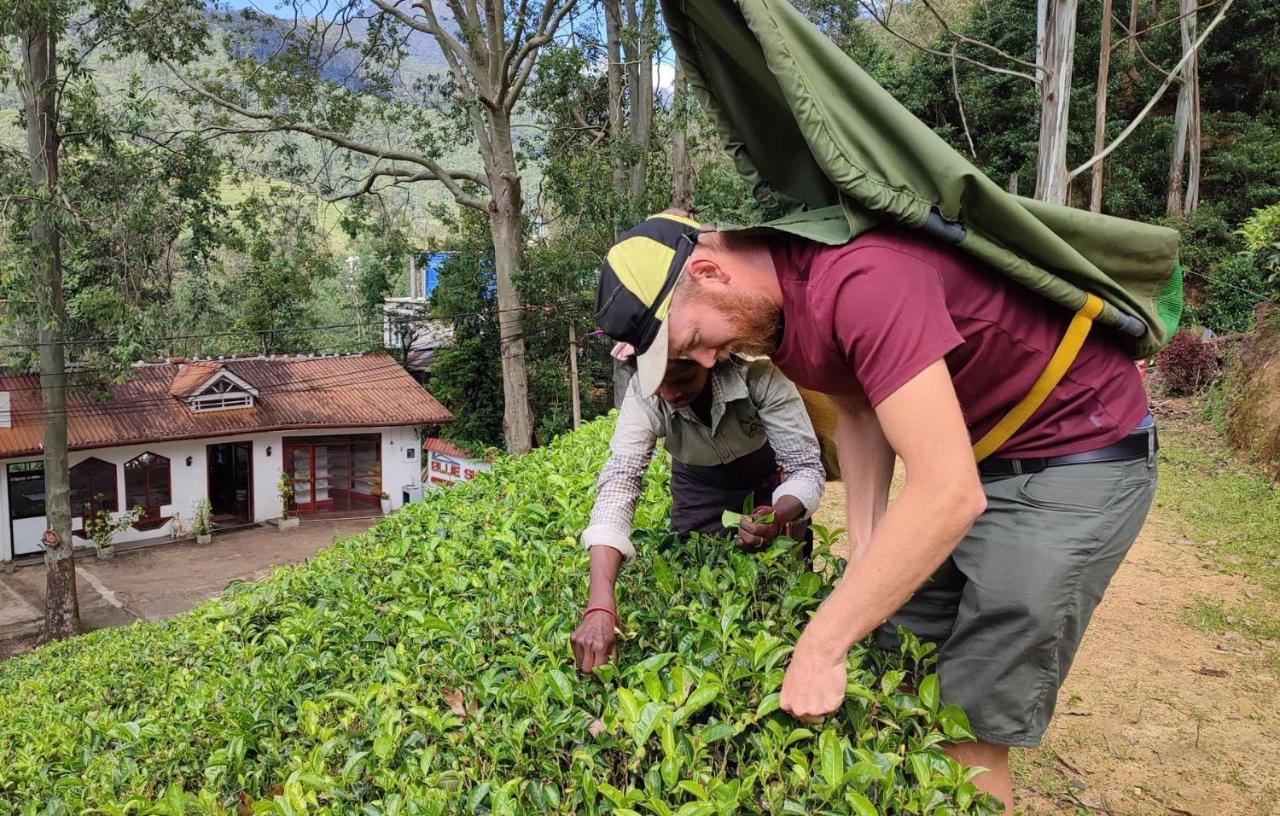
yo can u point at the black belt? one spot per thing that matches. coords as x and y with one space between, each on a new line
1140 444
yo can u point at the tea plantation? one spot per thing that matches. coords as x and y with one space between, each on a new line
424 668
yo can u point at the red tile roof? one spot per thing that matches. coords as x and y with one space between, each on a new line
192 375
365 390
446 448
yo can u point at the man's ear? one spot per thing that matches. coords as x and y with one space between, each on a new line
706 269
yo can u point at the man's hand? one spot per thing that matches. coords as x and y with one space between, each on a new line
593 641
754 535
813 686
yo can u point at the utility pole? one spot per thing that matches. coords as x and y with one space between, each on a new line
356 317
573 376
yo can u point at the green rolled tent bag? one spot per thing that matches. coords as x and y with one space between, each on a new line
824 144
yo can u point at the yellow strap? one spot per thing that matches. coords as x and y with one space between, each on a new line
1053 373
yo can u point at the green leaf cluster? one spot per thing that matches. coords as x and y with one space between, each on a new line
424 668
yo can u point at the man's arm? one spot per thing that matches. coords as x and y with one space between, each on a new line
942 497
866 465
609 536
622 477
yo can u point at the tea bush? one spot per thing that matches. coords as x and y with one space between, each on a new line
424 668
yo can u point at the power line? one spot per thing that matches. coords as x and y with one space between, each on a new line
316 354
157 341
135 405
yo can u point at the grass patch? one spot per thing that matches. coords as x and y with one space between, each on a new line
1232 513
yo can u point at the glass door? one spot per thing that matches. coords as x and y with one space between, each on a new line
300 463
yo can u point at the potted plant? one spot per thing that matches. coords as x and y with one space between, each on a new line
288 517
101 528
202 522
386 503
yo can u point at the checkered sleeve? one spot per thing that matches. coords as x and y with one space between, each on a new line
791 434
621 479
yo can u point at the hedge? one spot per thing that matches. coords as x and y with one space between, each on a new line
424 668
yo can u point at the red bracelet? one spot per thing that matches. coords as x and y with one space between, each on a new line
614 615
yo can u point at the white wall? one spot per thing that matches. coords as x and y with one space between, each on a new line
189 483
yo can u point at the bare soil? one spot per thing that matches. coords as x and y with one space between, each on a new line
1156 717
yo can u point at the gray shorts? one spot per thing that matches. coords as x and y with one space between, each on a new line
1010 606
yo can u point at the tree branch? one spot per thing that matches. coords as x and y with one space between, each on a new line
979 43
955 84
548 22
402 177
943 54
1133 35
445 177
452 49
1164 86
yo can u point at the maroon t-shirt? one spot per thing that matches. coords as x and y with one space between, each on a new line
871 314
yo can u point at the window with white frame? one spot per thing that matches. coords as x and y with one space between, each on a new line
222 394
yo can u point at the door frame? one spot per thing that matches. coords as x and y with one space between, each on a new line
208 472
286 461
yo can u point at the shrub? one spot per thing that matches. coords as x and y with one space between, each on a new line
1231 292
424 668
1186 365
1261 236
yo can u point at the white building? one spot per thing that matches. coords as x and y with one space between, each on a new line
346 429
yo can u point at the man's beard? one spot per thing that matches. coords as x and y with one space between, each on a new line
752 317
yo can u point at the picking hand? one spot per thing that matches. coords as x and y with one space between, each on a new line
814 684
754 534
593 641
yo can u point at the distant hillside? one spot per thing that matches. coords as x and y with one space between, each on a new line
260 36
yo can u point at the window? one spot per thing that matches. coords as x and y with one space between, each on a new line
26 490
146 484
93 483
220 402
221 395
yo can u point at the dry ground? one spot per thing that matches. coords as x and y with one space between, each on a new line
1159 716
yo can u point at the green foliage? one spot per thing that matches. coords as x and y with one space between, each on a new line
202 518
1261 236
101 526
467 376
424 668
1231 511
284 489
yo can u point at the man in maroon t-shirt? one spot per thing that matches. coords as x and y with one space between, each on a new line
922 349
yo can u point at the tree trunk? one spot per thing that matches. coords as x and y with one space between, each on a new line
613 45
1055 49
1100 107
506 223
681 168
40 69
1192 200
640 91
1182 116
1132 44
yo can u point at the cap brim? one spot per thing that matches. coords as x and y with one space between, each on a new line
651 367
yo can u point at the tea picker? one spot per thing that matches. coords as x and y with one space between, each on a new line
735 431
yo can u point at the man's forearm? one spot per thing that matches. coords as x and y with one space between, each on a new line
605 563
915 536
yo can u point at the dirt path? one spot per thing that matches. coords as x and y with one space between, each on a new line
1156 716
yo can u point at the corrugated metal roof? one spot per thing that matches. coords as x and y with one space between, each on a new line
366 390
191 375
